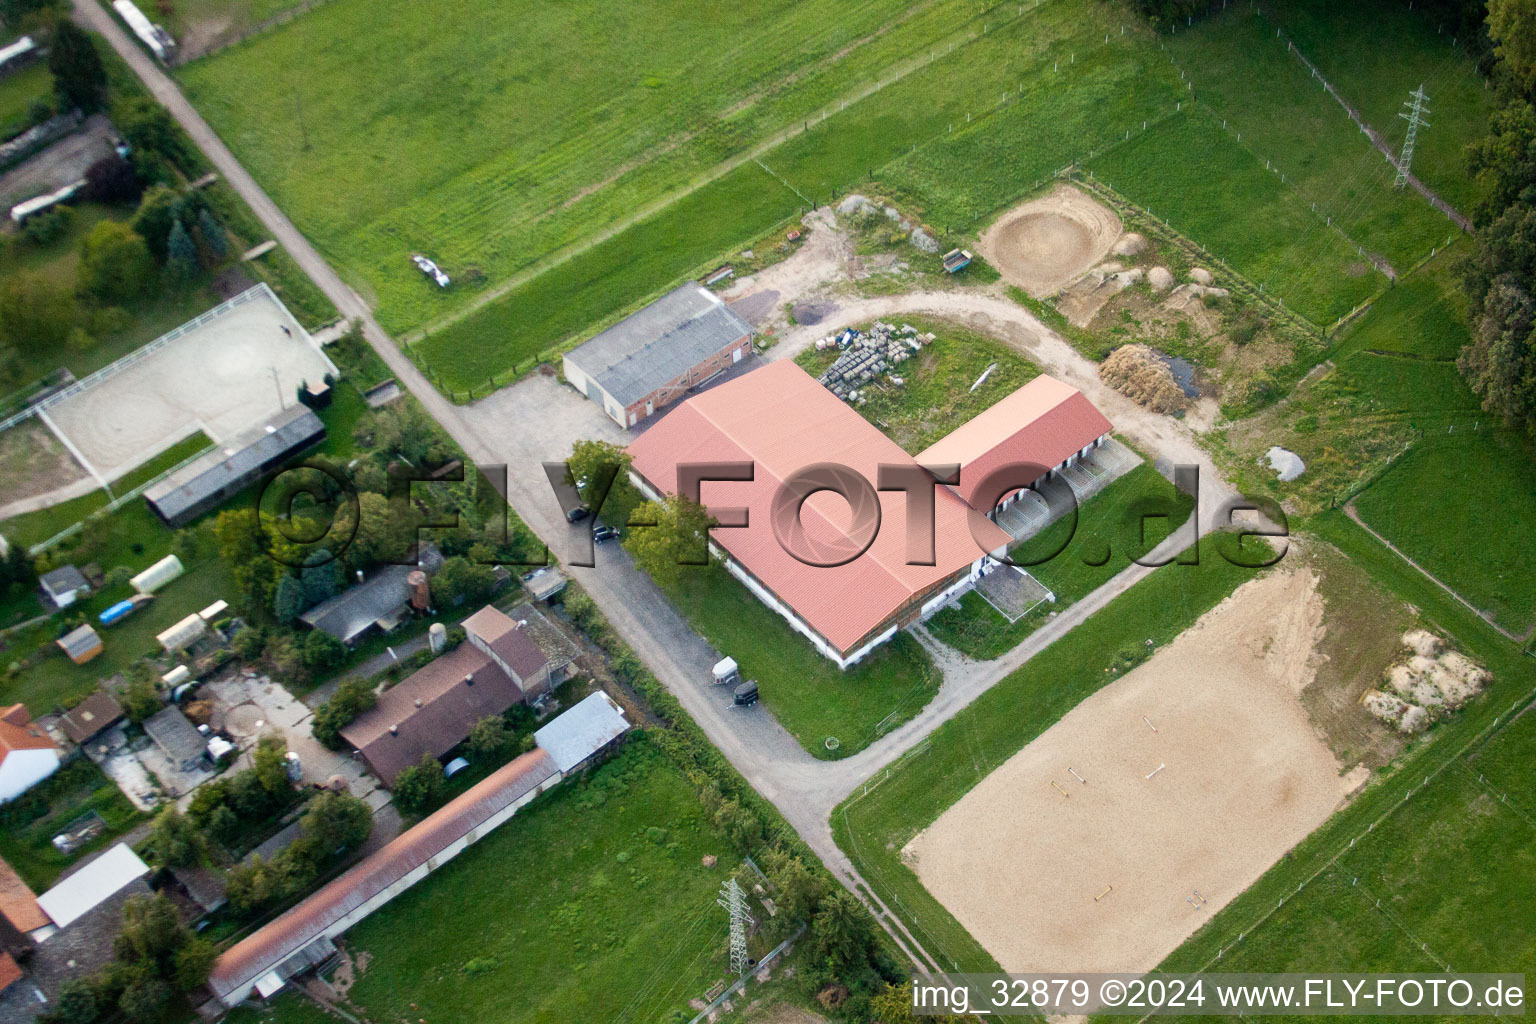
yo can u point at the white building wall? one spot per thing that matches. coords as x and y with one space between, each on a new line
23 769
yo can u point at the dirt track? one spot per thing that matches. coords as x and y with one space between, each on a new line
1244 778
1045 243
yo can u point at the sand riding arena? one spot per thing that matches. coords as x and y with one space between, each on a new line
237 363
1117 833
1045 243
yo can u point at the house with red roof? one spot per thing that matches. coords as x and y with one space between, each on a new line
27 755
782 422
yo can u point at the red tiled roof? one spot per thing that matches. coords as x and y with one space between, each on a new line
18 733
10 971
1044 422
781 420
265 948
448 708
18 902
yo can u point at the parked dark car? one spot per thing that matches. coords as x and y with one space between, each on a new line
576 514
604 534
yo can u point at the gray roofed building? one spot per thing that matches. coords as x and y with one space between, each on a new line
176 736
577 736
98 712
211 479
378 600
62 586
654 357
81 644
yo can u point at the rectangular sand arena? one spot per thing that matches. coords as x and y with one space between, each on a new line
1243 778
216 375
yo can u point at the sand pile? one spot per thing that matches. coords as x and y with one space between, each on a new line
1138 373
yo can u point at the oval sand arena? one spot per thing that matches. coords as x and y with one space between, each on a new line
1046 243
1123 828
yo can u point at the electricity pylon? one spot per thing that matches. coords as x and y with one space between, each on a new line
734 899
1417 104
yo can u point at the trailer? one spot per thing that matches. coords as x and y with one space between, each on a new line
956 260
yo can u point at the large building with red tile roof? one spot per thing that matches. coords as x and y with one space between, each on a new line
27 755
782 421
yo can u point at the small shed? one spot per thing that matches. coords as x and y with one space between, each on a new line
91 717
81 644
63 586
576 737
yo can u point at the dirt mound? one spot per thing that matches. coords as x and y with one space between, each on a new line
1160 278
1138 373
1047 242
1429 684
1131 244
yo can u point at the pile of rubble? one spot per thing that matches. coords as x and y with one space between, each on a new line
1433 682
866 356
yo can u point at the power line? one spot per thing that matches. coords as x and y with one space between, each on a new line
1417 107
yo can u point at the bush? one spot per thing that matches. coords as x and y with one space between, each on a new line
418 787
352 697
50 226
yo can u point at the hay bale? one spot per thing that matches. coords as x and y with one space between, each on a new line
1200 275
1137 372
1160 278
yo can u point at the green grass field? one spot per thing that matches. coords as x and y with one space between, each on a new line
1345 42
1293 122
874 824
1193 174
808 694
18 91
596 890
1079 557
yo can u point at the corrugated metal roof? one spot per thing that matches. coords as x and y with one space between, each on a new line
80 640
92 884
1044 422
577 734
269 946
660 343
781 420
237 462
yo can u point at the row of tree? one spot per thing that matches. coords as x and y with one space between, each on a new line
1500 275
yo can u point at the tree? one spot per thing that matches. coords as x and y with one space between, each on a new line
674 539
145 999
180 256
159 211
223 824
352 697
76 1002
319 577
418 787
337 822
841 933
115 265
36 313
193 963
288 600
140 698
215 241
175 839
78 75
1512 27
248 642
600 464
270 765
489 738
151 932
1504 161
797 888
459 580
113 181
322 651
893 1005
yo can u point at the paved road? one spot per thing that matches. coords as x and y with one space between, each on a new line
537 419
